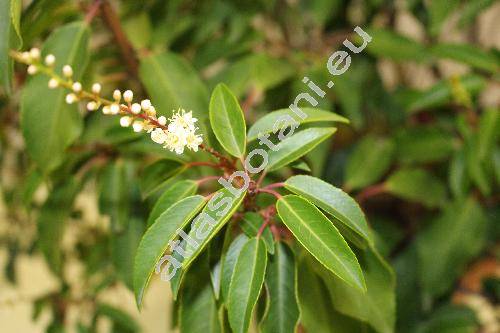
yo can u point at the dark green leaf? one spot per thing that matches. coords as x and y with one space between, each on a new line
10 38
251 224
157 173
229 261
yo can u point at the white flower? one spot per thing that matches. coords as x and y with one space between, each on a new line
77 87
50 60
117 95
193 141
91 106
71 98
135 108
128 96
138 126
96 88
184 119
159 136
114 108
53 83
32 69
125 121
162 120
35 53
67 71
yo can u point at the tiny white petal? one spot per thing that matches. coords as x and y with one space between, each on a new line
162 120
114 108
128 96
136 108
96 88
53 83
67 71
77 87
117 95
32 69
125 121
137 126
50 60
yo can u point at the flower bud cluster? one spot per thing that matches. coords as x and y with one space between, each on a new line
175 134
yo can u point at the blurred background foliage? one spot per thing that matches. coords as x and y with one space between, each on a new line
421 154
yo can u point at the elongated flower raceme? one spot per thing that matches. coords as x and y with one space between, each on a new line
176 133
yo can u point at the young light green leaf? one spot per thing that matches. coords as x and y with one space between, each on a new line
251 223
155 240
246 283
468 54
417 185
157 173
228 263
388 44
266 124
227 121
283 312
332 200
176 192
368 162
320 237
49 124
10 38
296 146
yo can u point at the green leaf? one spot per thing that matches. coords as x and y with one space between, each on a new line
417 185
388 44
458 178
155 240
377 305
368 162
48 123
156 174
439 11
52 221
296 146
227 121
118 317
229 261
318 235
489 129
449 243
176 192
198 311
246 283
283 312
451 319
470 55
172 83
10 38
250 224
412 145
267 123
332 200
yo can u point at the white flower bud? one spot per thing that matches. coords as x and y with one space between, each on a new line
77 87
114 108
91 106
136 108
162 120
96 88
138 126
125 121
67 71
145 104
106 110
151 111
35 53
50 60
71 98
53 83
128 96
117 95
32 69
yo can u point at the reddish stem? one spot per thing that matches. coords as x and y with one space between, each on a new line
265 190
207 164
275 185
370 192
262 227
92 11
206 179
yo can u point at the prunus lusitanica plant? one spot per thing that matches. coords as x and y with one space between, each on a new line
273 165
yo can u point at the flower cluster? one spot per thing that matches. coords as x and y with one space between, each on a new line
179 133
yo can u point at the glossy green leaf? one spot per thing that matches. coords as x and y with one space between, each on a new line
488 134
155 240
451 319
296 146
176 192
319 236
10 38
332 200
412 145
251 223
246 283
49 124
157 173
368 162
468 54
268 123
449 243
172 84
283 312
227 121
417 185
377 305
229 261
198 312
